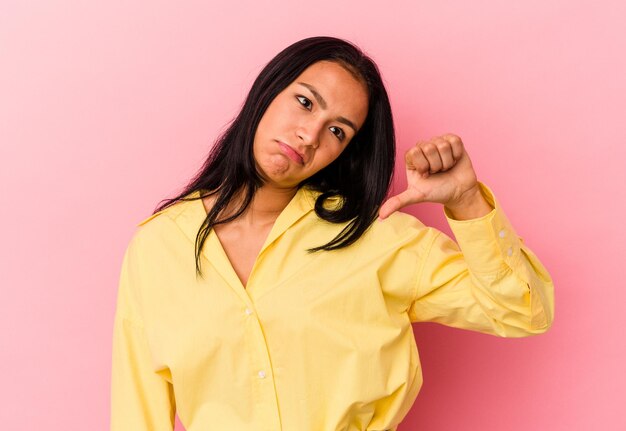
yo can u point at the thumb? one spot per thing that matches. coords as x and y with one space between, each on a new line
394 203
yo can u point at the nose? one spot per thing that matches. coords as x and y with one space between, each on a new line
309 133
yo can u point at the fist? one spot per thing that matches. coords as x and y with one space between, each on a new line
437 170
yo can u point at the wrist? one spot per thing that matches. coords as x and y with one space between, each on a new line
471 204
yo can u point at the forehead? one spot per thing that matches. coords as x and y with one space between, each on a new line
331 73
328 66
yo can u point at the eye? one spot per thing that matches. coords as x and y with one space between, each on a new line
301 98
340 134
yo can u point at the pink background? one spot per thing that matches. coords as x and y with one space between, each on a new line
108 107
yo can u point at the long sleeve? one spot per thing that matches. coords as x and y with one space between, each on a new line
489 282
141 399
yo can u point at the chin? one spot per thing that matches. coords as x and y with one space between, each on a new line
277 168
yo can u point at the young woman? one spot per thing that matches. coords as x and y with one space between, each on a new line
277 291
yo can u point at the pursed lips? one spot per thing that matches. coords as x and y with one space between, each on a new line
292 152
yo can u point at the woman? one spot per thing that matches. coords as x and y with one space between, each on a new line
277 291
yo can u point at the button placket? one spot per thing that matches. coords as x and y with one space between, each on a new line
261 373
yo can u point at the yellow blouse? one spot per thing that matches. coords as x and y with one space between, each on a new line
316 342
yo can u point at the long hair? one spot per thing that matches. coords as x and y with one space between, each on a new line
360 176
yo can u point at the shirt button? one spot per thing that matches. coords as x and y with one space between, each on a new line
509 251
261 374
248 311
501 233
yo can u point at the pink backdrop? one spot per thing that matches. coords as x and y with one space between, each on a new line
108 107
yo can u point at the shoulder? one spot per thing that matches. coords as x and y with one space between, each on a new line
399 224
171 212
399 231
159 221
166 224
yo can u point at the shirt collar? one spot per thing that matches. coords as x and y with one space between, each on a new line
189 215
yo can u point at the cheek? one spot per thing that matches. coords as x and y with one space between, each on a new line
281 109
266 130
329 154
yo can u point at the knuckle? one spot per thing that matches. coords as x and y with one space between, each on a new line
429 148
410 155
443 145
419 147
453 138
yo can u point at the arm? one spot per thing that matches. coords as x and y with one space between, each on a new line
141 399
490 282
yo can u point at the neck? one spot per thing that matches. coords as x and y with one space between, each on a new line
267 204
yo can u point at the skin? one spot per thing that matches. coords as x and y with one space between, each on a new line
438 170
296 118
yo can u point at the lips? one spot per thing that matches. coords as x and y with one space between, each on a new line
291 153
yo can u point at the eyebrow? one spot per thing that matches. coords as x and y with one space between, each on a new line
323 104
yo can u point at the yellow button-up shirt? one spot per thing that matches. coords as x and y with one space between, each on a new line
315 342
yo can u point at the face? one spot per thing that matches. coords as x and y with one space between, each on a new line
309 124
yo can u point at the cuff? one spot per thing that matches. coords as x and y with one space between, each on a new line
489 242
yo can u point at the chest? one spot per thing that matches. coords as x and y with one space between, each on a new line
242 246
